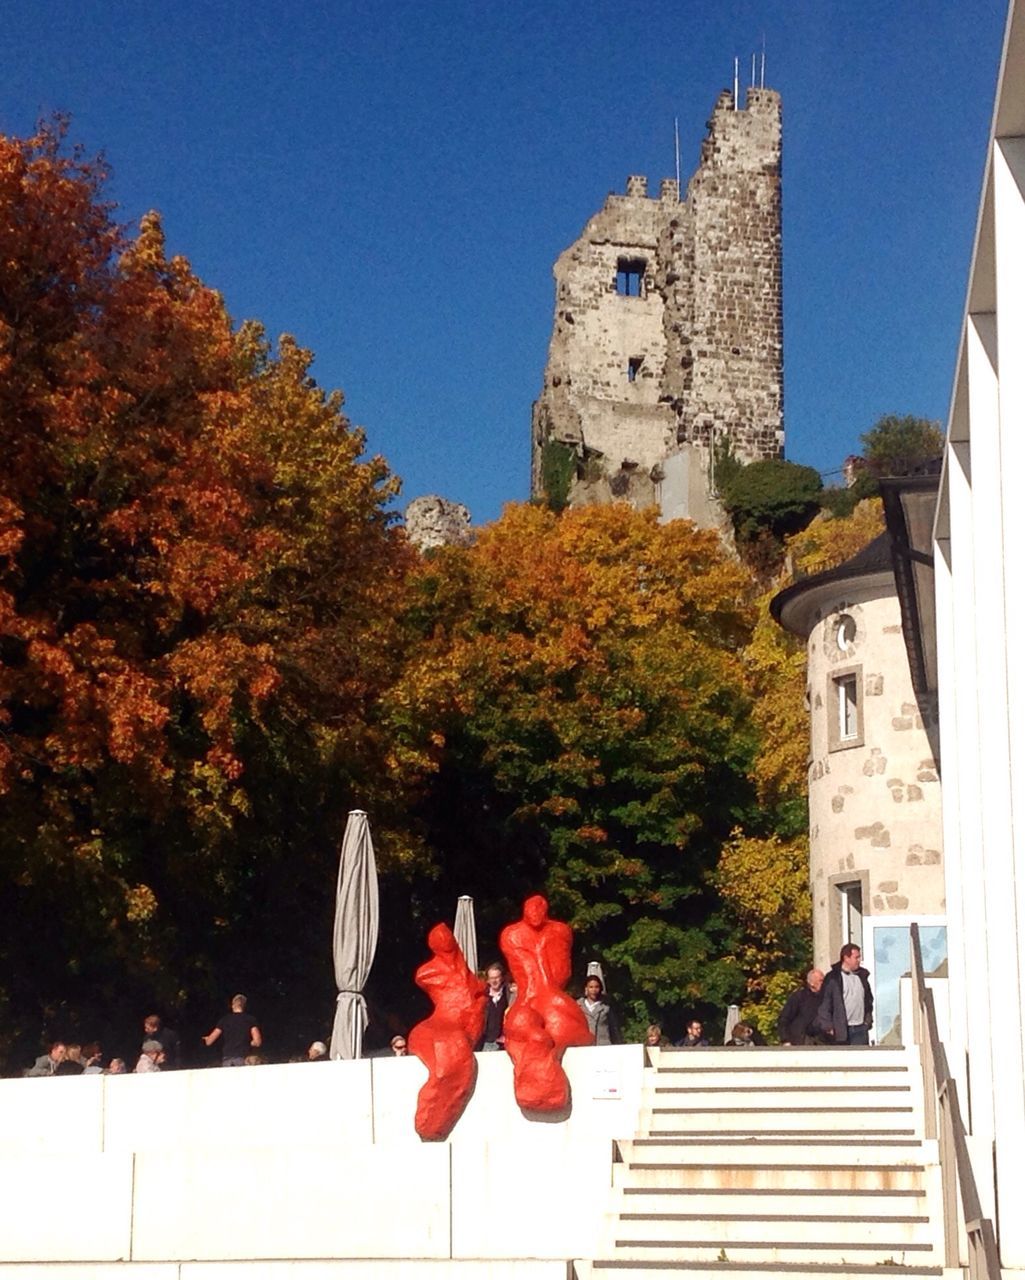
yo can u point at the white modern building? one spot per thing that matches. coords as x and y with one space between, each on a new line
978 538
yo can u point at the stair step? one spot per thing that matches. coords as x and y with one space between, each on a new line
788 1151
676 1128
757 1230
770 1093
780 1057
629 1270
712 1250
725 1179
841 1120
767 1203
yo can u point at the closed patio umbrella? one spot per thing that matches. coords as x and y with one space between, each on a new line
465 930
355 934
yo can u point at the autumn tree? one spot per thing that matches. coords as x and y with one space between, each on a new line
582 678
764 881
197 585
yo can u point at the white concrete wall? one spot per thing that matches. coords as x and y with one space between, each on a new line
304 1162
980 541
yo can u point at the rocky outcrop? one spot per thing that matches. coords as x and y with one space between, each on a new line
432 521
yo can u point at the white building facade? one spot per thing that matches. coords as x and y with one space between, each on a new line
979 539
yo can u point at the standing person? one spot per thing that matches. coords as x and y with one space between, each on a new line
599 1015
398 1047
49 1062
845 1014
653 1037
498 1000
695 1037
238 1032
154 1029
800 1011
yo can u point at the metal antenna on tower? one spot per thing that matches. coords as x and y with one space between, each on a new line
676 134
762 85
736 83
752 71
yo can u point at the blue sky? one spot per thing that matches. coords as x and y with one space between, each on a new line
392 183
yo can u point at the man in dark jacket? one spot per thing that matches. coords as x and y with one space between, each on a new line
845 1014
498 1000
795 1022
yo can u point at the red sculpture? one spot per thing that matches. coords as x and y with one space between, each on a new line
444 1041
543 1021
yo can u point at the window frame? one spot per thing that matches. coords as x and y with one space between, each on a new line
628 271
838 705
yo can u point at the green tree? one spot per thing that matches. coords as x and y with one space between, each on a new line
774 496
583 680
901 446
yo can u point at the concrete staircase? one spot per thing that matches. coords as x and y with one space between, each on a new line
768 1161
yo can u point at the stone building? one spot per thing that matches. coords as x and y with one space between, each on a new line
875 817
668 335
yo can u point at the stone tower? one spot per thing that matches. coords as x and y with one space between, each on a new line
668 334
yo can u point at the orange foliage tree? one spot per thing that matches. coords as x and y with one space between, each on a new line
583 681
198 583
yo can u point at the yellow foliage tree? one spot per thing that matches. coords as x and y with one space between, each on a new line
765 882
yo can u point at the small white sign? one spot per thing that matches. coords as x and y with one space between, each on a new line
606 1082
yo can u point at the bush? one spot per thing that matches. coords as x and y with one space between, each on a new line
772 496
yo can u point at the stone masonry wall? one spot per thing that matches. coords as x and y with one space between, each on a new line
696 352
874 803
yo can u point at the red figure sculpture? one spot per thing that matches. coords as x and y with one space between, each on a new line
444 1041
543 1021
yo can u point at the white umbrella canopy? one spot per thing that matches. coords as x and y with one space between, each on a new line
355 934
732 1018
465 930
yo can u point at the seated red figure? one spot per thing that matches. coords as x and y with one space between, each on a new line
444 1041
543 1021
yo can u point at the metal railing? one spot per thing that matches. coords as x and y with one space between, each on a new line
943 1121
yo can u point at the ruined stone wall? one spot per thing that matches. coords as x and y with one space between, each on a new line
693 347
737 332
874 801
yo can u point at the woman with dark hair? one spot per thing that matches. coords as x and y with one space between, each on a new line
598 1012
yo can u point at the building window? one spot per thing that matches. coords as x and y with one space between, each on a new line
633 368
630 277
849 896
847 707
846 630
845 710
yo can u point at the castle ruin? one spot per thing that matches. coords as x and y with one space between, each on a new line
668 334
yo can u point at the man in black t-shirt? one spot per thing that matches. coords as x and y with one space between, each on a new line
238 1033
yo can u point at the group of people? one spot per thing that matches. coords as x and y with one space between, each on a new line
237 1031
829 1008
833 1008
